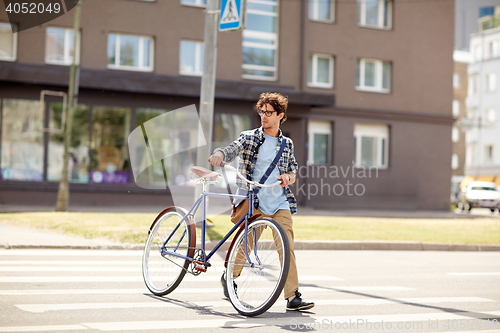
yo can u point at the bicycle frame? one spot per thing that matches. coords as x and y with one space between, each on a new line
202 201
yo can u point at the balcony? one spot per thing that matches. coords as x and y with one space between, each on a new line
489 22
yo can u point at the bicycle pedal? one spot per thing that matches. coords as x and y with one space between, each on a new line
200 268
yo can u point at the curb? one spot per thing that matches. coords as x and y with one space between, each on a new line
299 245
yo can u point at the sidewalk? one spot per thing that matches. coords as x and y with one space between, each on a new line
15 237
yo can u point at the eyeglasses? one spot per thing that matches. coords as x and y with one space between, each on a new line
267 113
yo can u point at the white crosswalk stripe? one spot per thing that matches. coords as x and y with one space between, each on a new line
39 308
180 290
254 322
112 284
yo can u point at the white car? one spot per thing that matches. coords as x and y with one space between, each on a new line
479 195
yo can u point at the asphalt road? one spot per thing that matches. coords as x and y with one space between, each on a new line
354 291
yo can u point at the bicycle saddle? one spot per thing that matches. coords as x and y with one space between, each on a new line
204 172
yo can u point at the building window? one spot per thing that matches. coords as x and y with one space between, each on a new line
228 126
472 88
130 52
78 167
260 41
454 161
478 53
322 10
59 46
375 13
491 82
22 140
491 116
456 108
320 71
8 42
488 153
319 135
371 142
373 75
455 134
110 129
494 49
470 154
456 80
197 3
191 58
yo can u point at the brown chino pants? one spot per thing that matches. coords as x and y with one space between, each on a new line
283 217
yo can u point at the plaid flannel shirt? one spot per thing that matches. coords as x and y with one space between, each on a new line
247 148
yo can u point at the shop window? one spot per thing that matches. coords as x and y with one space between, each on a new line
227 127
78 168
22 140
110 130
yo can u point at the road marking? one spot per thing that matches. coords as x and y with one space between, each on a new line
40 308
70 269
132 278
47 328
178 291
72 253
371 288
424 318
66 263
474 273
230 323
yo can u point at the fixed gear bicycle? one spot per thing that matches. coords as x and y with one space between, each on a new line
257 261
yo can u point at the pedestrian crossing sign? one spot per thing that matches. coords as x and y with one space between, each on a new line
231 15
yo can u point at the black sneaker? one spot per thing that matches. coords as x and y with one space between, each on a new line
224 285
297 304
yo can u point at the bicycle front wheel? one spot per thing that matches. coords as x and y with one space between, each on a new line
254 286
161 269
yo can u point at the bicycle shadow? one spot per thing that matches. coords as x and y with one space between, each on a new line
235 320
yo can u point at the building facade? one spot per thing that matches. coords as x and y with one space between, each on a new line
461 60
483 106
368 85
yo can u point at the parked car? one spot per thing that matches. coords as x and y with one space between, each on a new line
479 195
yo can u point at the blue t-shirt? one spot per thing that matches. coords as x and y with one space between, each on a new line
271 199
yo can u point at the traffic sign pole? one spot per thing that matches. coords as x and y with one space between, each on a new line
207 94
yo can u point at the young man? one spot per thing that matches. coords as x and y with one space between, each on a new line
257 148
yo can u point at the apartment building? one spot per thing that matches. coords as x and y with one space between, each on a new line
461 59
483 102
368 84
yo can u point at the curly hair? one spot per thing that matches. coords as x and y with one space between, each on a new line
278 102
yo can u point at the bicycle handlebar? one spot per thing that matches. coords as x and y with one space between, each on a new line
238 173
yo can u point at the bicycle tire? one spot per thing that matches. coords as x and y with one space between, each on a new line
162 273
253 290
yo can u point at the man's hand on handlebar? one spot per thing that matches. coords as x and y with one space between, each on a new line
217 159
286 179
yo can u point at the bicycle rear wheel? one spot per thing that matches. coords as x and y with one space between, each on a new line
162 272
253 288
